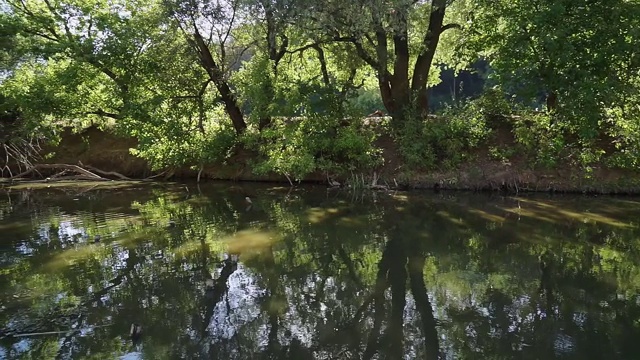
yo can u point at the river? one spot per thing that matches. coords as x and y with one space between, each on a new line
311 273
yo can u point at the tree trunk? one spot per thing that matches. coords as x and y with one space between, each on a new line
231 105
275 51
425 58
400 80
217 77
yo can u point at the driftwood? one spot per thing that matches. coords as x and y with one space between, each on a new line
104 173
64 167
72 172
155 176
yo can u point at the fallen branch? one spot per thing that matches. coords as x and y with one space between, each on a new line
155 176
76 177
59 175
75 168
104 173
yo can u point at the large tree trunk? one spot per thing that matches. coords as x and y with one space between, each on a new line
400 79
399 96
425 58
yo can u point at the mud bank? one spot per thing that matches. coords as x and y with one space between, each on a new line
108 152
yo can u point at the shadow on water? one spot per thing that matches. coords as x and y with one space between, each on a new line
198 272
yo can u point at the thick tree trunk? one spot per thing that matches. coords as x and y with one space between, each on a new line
401 93
231 105
425 58
400 79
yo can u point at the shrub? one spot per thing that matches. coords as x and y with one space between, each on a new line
296 148
446 140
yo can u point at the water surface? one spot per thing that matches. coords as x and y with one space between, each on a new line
315 274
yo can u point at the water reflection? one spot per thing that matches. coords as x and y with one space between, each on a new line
311 274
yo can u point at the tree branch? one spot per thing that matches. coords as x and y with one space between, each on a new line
450 26
323 65
101 112
283 49
430 42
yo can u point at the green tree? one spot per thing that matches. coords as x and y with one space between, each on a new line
93 53
397 39
209 27
580 56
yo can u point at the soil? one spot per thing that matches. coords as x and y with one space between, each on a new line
108 152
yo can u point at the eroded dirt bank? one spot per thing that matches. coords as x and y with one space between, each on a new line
108 152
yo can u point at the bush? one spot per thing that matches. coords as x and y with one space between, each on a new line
539 138
162 148
296 148
443 141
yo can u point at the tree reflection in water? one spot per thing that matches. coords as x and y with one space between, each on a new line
307 274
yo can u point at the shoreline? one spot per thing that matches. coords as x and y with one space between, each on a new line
110 153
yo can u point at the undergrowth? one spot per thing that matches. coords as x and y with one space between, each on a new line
296 147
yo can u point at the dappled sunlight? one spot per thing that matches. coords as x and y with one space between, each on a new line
590 216
532 213
450 217
75 256
250 241
351 221
487 215
318 215
556 212
212 244
400 197
133 238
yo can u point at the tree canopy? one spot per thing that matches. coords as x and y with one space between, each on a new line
190 79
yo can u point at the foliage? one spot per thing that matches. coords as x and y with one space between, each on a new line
297 148
179 76
579 55
185 148
539 138
446 140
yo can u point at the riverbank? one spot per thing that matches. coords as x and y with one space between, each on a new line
103 150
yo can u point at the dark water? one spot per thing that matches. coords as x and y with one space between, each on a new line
311 274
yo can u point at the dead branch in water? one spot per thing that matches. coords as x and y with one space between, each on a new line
104 173
149 178
65 168
21 151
